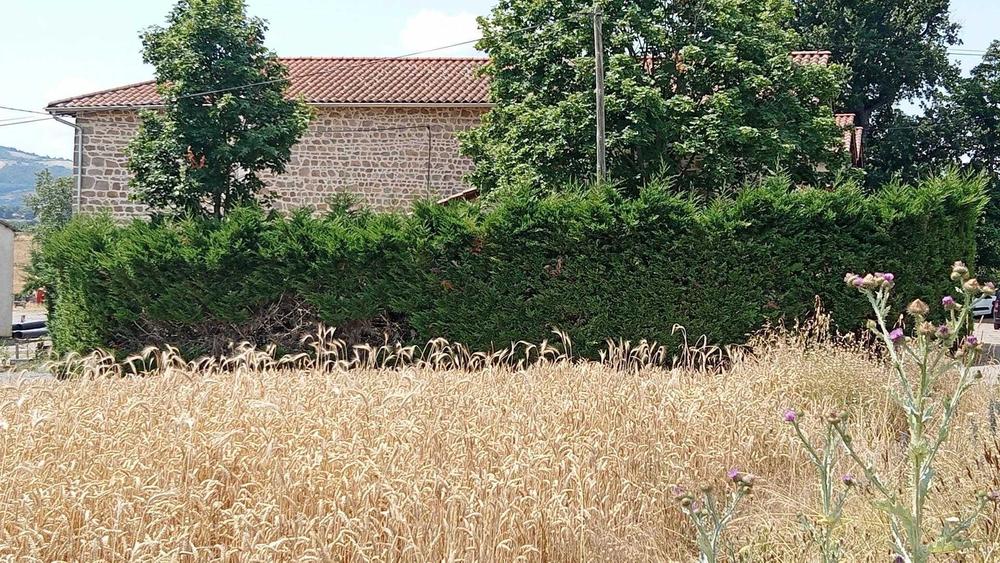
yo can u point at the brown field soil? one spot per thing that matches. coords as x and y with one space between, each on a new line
561 461
22 258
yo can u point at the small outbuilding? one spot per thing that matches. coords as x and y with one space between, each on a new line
7 232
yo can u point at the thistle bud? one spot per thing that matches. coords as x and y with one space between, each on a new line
989 289
993 496
926 329
942 332
918 308
959 271
848 480
971 286
872 325
706 488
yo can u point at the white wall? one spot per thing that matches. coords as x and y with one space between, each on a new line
6 280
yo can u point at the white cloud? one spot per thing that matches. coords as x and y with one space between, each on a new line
429 29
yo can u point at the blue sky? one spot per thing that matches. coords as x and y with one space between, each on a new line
51 49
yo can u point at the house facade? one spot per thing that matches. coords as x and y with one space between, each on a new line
385 130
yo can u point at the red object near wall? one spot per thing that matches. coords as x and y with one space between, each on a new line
39 296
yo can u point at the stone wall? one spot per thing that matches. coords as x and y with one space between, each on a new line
379 154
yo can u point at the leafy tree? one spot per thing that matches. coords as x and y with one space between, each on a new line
702 90
911 146
52 206
894 50
52 202
206 150
979 98
959 126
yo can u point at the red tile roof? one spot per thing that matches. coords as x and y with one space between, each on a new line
363 81
811 57
844 119
853 136
338 81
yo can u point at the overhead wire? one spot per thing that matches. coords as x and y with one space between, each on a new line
34 120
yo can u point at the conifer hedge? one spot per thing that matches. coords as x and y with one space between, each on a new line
590 263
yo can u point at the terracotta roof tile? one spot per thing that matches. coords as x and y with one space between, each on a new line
347 80
811 57
340 81
844 119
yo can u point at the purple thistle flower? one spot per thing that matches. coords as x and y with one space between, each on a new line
734 474
889 277
848 480
790 416
896 335
948 301
858 282
971 340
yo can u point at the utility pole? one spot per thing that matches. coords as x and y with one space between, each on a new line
599 91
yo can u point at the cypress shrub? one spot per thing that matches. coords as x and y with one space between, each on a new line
590 263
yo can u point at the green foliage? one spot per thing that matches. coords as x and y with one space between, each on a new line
206 152
958 127
589 262
52 205
892 50
704 91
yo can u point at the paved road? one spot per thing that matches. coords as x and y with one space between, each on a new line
13 377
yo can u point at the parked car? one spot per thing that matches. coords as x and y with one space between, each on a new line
983 307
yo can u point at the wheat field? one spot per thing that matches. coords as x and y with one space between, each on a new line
550 460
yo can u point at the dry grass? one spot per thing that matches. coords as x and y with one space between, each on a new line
558 461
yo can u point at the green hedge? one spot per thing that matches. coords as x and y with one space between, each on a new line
590 263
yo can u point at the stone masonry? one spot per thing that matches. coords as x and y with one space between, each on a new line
378 153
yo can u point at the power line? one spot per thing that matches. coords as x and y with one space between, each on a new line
18 118
23 110
35 120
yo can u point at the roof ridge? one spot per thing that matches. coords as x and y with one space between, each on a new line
369 58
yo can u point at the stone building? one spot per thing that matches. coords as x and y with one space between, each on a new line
385 130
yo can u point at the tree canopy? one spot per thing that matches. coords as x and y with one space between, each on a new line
893 50
225 121
704 91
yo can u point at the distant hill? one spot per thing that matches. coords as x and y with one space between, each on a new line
17 173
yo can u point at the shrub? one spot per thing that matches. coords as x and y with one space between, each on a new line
591 263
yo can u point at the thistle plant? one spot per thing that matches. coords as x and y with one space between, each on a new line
824 530
932 352
710 516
